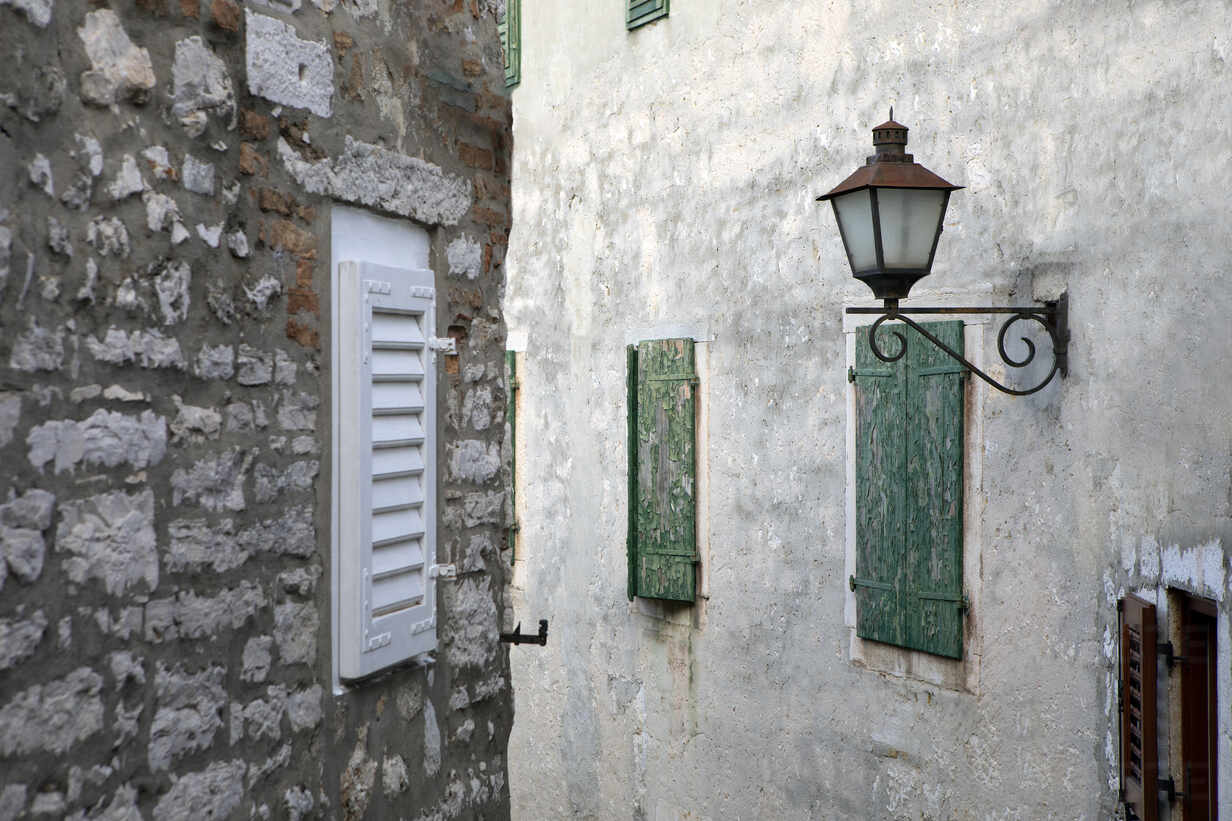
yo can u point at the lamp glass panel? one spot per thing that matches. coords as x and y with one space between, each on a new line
909 219
855 217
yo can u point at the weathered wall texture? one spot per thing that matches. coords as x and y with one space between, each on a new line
669 175
167 169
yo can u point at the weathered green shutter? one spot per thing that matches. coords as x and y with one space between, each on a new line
631 444
510 28
909 488
641 12
663 470
933 618
880 492
511 436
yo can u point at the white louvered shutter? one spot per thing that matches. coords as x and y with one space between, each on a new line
385 398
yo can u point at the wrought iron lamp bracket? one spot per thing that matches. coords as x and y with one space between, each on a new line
1052 316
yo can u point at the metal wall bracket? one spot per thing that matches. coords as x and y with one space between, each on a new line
1052 316
518 637
1164 648
445 344
443 571
1167 785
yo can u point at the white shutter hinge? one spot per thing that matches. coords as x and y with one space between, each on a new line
443 571
423 626
445 344
377 642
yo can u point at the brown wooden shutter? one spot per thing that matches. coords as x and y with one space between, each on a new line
1139 746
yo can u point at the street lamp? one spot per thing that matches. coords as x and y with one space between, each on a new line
889 213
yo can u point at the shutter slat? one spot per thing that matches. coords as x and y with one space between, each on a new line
666 470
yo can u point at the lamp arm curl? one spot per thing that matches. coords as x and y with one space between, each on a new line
1043 318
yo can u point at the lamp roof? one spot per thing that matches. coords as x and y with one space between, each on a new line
891 166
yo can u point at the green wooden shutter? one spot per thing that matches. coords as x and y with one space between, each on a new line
641 12
880 492
909 448
631 444
510 28
663 470
933 613
511 436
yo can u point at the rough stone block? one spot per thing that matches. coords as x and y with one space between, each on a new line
295 631
52 717
202 87
10 415
257 659
106 438
297 410
108 236
194 422
304 709
216 362
197 175
197 543
254 367
472 460
211 793
115 59
38 349
285 69
376 176
464 255
215 482
20 638
469 631
110 538
58 238
188 714
149 349
30 510
37 12
127 181
171 286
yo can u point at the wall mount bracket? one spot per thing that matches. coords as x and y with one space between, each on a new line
518 637
1053 316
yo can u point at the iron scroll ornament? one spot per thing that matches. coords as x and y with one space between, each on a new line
1052 316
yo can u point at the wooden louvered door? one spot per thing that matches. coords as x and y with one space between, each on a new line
1139 751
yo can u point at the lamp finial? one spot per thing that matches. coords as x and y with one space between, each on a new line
891 112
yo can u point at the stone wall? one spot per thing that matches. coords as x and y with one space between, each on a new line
664 182
167 170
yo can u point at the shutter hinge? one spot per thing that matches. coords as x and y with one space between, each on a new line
692 380
443 571
961 600
445 344
853 583
851 373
